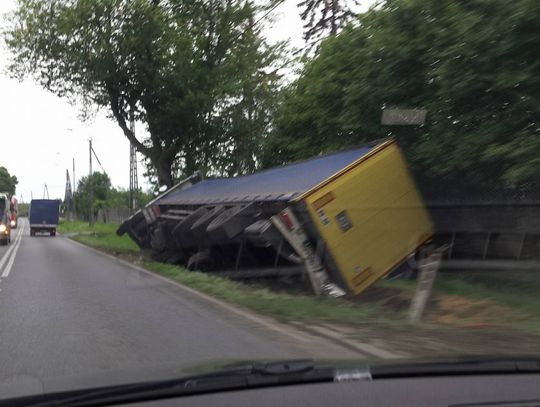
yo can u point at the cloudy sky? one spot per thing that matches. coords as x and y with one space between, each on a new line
41 134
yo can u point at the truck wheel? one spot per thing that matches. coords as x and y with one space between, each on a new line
32 232
53 233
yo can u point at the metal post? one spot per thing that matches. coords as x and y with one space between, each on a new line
428 268
486 246
296 236
133 177
451 245
68 197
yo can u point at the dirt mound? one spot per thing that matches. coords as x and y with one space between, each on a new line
457 310
389 298
443 309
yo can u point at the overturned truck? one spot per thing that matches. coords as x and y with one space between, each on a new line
343 220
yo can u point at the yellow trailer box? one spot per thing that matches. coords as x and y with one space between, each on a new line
369 215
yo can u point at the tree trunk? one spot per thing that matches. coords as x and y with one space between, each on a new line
164 172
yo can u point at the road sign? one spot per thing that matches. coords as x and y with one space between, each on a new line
403 117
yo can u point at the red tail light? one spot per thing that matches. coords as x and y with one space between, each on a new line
286 219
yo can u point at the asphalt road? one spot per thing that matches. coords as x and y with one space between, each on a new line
67 311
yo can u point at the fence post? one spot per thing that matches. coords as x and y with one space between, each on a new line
428 267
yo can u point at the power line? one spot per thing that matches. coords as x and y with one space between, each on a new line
99 162
278 3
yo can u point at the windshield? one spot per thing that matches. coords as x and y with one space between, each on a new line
189 184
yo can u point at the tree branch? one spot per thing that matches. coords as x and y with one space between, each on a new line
115 108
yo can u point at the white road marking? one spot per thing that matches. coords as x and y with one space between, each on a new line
12 253
9 250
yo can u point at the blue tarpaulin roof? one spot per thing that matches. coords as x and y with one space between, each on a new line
275 184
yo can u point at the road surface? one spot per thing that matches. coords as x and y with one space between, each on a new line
66 311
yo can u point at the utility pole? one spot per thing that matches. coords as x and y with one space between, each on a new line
68 197
133 178
91 190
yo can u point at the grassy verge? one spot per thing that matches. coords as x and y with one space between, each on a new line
282 306
458 299
101 236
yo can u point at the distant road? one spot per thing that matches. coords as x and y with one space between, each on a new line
66 310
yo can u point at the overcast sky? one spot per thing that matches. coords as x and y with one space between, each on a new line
44 134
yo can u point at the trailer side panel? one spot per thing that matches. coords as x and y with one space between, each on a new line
370 216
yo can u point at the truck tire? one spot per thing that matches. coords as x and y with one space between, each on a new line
53 233
32 232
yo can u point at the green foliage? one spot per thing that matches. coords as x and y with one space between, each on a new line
8 182
471 64
324 16
97 186
104 195
196 73
119 198
23 209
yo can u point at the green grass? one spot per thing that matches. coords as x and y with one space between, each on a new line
282 306
101 236
77 226
521 297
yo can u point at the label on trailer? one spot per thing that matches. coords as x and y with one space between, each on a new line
323 200
343 221
322 216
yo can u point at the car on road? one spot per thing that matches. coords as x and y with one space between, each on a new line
5 233
5 219
13 212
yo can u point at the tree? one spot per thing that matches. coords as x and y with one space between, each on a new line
174 65
471 64
99 186
324 17
8 183
118 198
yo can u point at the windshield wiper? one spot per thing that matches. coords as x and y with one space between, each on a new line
240 376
